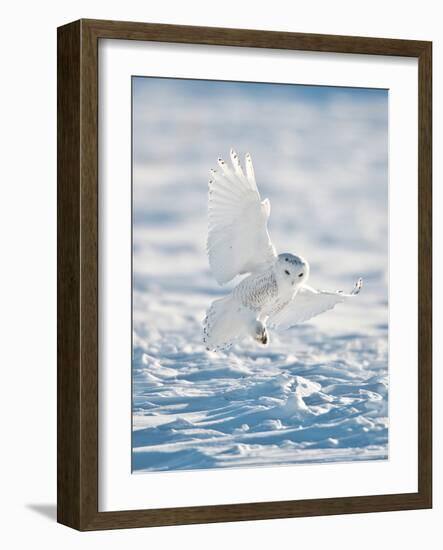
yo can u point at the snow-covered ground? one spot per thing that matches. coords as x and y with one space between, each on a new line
318 392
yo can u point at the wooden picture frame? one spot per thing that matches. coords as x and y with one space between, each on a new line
77 456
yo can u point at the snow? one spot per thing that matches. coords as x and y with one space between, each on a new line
318 392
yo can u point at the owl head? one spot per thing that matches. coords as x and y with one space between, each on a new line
292 269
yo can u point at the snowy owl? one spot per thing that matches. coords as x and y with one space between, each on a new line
274 293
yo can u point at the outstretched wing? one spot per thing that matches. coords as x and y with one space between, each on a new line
309 302
238 238
227 321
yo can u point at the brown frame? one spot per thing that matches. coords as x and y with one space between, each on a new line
77 407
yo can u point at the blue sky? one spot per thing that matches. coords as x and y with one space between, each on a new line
295 92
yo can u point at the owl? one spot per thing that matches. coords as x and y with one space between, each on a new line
274 291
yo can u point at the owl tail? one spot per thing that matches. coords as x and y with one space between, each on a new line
226 322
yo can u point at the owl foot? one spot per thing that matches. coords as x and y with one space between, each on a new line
261 334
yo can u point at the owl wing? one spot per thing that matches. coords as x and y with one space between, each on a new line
238 239
309 302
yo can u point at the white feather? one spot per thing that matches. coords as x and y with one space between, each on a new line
227 321
238 238
309 302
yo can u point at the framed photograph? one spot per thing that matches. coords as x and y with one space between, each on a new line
244 275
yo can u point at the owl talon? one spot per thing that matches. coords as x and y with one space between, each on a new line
261 334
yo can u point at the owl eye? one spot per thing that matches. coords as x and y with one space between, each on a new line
301 275
287 272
